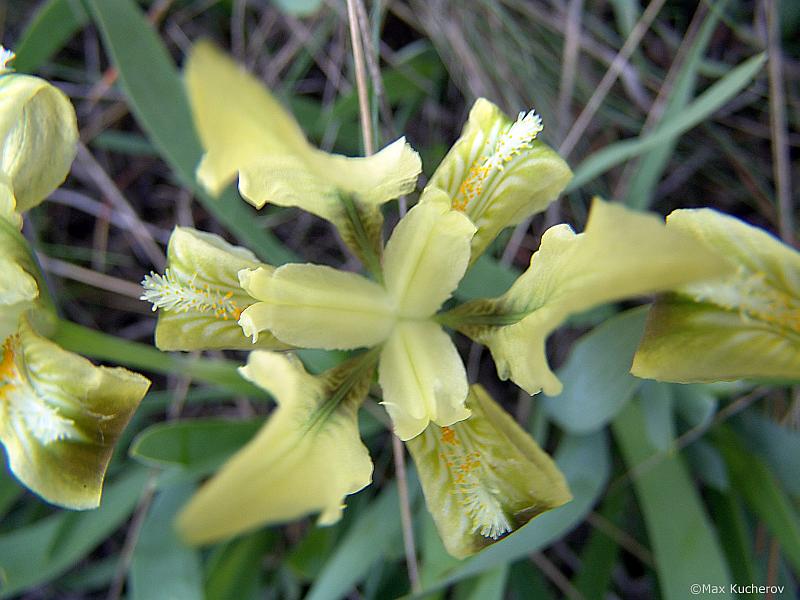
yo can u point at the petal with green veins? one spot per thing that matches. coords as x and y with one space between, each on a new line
306 459
621 254
426 257
61 416
38 137
422 377
246 131
497 173
743 325
315 306
484 477
199 297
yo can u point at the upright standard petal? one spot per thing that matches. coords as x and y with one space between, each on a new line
306 458
497 173
426 257
317 307
621 254
38 137
199 298
743 325
245 130
485 477
60 417
422 378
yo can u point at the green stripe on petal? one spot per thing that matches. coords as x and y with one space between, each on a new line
38 137
485 477
199 295
61 417
306 459
316 306
621 254
422 378
426 257
744 325
497 173
245 131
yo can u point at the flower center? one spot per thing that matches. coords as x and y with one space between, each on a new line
466 471
512 142
171 294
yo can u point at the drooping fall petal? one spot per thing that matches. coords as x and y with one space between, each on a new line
621 254
306 459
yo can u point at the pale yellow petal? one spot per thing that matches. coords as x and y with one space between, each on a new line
696 342
621 254
245 130
426 257
38 137
422 377
306 459
317 307
237 118
18 291
8 204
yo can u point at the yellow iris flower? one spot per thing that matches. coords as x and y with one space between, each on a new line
482 475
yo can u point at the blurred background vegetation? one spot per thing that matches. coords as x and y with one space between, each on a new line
659 104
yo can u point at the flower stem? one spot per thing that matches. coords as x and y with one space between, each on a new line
397 445
405 514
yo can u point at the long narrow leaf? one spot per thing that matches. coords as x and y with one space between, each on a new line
759 488
684 546
37 553
157 99
695 113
